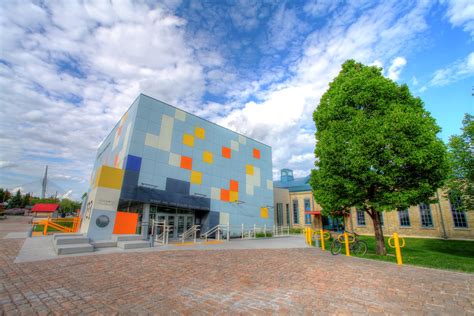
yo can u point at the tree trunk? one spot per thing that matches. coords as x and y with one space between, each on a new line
379 240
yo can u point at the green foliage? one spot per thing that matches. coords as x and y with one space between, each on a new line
263 235
5 195
68 206
461 157
376 145
16 201
50 200
296 230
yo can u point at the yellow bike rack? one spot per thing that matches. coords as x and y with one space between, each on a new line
394 242
322 236
346 239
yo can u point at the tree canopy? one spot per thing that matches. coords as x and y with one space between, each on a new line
376 146
461 157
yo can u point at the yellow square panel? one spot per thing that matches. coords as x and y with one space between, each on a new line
188 140
109 177
207 157
199 132
233 196
249 169
196 177
264 212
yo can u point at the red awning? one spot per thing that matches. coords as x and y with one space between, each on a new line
313 212
47 208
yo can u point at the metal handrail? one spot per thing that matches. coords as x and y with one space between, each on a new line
190 232
163 237
218 229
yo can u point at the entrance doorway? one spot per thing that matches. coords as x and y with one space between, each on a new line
178 223
179 220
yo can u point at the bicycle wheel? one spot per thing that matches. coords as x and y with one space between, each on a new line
336 247
360 248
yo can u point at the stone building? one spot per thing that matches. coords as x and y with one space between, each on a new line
438 220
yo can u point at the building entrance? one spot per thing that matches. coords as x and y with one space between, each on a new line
179 220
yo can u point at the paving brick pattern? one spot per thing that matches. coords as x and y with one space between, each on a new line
209 282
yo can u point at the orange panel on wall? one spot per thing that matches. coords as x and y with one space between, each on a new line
226 152
125 223
256 153
234 185
225 195
186 162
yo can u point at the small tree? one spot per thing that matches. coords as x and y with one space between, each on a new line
376 147
461 157
15 201
69 206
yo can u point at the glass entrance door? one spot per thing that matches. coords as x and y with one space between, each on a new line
178 223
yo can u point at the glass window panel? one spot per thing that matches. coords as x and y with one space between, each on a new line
425 215
404 218
360 217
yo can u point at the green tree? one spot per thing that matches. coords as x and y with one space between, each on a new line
15 201
461 157
69 206
4 195
376 147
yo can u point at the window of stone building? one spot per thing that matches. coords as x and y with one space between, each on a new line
404 218
459 216
280 214
307 208
287 214
382 219
425 215
296 215
360 217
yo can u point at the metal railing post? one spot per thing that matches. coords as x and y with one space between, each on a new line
254 231
242 231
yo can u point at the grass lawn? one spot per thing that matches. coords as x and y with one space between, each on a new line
40 228
432 253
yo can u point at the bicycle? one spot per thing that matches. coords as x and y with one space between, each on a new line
356 246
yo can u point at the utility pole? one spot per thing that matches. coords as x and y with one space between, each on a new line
44 183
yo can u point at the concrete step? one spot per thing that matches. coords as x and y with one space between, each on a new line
70 249
62 235
134 244
71 240
104 243
126 237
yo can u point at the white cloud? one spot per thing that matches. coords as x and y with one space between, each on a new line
102 54
283 118
461 13
458 70
7 164
396 68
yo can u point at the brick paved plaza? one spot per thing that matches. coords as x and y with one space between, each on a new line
272 281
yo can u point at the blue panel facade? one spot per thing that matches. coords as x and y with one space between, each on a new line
173 158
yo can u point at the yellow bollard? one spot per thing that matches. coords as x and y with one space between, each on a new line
346 241
322 239
397 246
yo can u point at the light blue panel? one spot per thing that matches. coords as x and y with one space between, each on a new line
159 181
136 149
145 178
143 110
95 232
154 127
162 156
148 166
187 151
149 153
141 124
138 136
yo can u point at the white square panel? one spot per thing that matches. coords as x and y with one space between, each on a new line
175 160
234 145
180 115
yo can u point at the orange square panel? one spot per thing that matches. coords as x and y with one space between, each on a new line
256 153
224 195
226 152
234 185
125 223
186 163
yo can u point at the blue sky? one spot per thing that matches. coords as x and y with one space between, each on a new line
69 70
